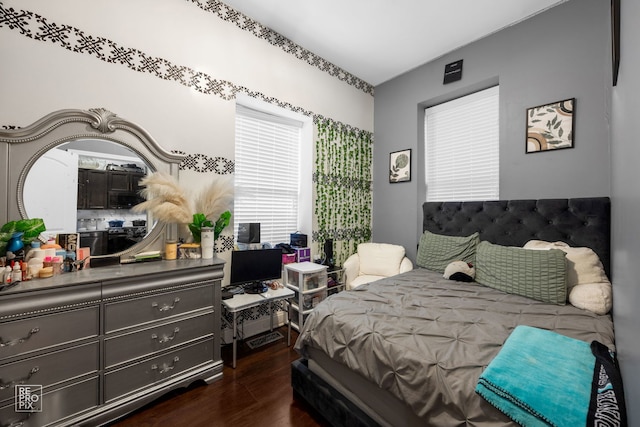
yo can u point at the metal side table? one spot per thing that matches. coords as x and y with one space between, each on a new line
241 302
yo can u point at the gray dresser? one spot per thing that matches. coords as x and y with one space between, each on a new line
105 341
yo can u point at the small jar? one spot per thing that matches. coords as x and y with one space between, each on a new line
170 250
57 263
45 272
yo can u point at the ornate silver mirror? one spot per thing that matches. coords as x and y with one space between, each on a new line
79 171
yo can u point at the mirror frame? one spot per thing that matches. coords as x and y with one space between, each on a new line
20 148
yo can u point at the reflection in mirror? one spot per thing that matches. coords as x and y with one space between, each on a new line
88 186
95 130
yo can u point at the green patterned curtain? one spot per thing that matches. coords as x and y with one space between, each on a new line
343 193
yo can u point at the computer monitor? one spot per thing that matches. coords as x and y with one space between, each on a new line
251 268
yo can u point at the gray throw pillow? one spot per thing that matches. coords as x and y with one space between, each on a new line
540 275
436 251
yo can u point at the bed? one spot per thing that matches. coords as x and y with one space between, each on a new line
409 350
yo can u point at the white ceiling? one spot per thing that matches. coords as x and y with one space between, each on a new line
377 40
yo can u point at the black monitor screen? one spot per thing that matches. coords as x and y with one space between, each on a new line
255 265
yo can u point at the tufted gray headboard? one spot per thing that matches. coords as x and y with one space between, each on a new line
578 222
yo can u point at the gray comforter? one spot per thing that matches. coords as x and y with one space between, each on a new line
426 340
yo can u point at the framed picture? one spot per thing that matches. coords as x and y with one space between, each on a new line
615 39
400 166
550 126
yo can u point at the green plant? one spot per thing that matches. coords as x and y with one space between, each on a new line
31 229
200 220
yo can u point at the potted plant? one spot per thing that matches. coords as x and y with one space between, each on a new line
200 220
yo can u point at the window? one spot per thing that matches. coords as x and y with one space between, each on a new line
462 148
267 171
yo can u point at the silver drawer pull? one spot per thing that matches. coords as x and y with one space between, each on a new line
18 423
166 307
33 370
19 340
165 367
165 338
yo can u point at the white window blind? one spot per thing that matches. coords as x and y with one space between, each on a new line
462 148
267 170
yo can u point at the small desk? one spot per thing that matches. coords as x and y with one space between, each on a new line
241 302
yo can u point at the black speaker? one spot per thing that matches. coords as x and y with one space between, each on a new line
249 232
328 253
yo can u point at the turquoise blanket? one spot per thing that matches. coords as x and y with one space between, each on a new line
540 378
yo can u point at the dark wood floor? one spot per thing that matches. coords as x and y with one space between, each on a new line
256 393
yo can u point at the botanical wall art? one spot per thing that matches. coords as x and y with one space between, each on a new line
400 166
550 126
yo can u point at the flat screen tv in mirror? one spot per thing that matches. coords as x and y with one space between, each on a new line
251 268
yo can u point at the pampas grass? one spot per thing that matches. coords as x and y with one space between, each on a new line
215 198
167 201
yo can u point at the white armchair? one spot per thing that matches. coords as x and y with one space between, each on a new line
375 261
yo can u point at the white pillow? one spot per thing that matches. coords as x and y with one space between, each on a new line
595 297
380 259
583 264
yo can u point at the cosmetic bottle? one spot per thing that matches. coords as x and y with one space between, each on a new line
24 271
16 275
6 276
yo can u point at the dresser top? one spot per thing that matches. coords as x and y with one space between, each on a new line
114 273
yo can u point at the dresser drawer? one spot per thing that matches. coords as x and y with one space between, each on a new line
124 314
156 369
36 333
50 369
157 338
56 404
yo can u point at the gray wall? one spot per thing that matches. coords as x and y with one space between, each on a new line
625 152
562 53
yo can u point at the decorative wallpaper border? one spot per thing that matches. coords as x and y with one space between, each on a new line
229 14
225 243
203 163
36 27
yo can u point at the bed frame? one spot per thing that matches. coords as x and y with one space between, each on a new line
578 222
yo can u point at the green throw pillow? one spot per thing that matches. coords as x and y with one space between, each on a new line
436 251
540 275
